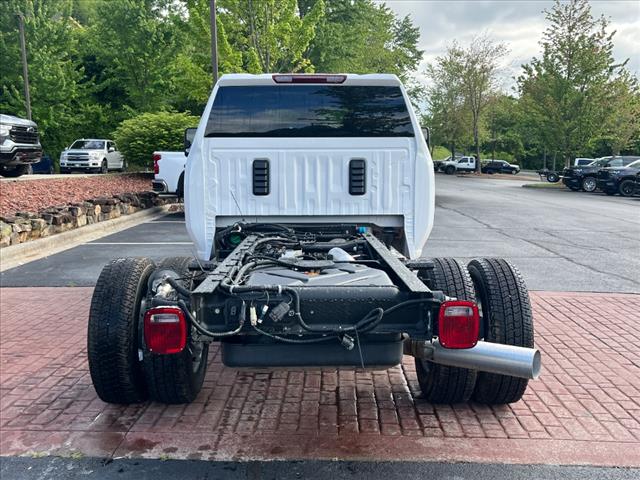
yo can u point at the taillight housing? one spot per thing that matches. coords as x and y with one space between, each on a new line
458 324
156 166
165 330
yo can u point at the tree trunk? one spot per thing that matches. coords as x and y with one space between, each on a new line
477 144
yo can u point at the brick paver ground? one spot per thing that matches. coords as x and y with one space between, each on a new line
584 409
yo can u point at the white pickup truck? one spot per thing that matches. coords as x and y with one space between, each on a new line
168 169
309 199
462 164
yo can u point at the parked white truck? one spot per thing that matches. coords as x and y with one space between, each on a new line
462 164
310 199
168 169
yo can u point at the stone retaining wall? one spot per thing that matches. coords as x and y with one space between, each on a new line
25 226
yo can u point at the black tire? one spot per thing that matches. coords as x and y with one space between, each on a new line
180 189
113 334
627 188
554 178
14 172
506 318
450 170
52 170
104 168
440 383
589 184
177 378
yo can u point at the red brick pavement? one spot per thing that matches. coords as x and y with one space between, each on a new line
584 409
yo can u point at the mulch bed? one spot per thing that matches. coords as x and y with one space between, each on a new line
36 195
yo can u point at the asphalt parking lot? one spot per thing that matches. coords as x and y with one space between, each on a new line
584 410
560 240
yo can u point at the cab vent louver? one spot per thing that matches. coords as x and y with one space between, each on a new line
357 176
261 177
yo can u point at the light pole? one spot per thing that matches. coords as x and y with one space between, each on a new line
214 40
25 68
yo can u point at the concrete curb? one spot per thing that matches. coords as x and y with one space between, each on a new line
16 255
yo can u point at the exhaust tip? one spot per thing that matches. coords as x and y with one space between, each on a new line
536 365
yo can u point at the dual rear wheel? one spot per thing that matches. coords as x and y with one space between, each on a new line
505 311
122 369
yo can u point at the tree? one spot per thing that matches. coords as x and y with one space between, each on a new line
445 98
566 90
359 36
135 43
478 67
271 34
61 103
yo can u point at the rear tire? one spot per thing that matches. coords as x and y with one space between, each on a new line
554 178
441 383
113 334
177 378
589 184
450 170
14 172
180 189
627 188
506 318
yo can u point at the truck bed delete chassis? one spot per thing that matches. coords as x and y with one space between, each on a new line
347 325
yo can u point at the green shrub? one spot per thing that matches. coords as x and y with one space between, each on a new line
138 137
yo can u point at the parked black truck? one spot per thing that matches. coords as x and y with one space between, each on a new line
586 177
612 180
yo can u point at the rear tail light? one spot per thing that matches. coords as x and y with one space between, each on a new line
458 324
165 330
156 166
309 78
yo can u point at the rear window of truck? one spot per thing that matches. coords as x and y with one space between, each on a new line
309 111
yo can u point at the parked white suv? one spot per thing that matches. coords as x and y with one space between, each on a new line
462 164
92 154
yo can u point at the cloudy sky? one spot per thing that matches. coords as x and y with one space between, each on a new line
518 23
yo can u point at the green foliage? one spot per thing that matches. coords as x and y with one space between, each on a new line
440 152
59 99
140 136
567 90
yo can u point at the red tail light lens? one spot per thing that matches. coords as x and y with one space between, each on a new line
309 78
458 324
156 159
165 330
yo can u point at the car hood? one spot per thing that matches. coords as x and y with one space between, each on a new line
11 120
82 150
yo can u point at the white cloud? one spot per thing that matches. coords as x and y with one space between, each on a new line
519 24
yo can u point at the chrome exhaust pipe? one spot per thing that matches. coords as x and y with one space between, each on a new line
519 362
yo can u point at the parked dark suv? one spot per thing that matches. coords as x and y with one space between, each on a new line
612 180
585 177
499 166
